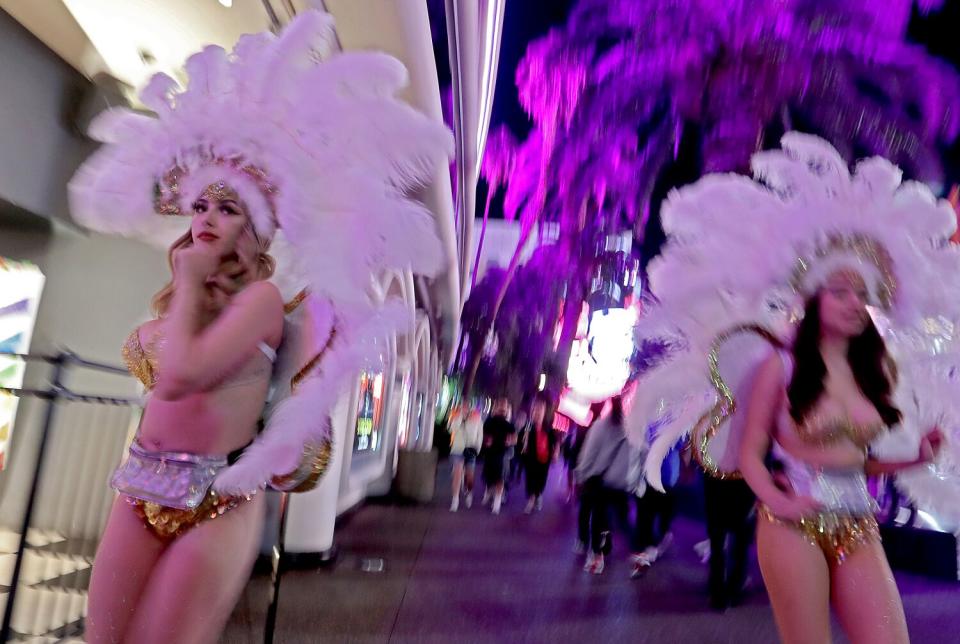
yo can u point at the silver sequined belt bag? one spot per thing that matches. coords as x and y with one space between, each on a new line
172 479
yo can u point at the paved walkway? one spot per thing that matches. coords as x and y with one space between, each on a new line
472 577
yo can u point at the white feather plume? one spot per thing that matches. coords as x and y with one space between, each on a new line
343 153
732 246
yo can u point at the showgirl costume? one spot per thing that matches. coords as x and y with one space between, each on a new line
321 154
847 517
741 257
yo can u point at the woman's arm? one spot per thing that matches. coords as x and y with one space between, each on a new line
930 446
874 467
765 400
193 357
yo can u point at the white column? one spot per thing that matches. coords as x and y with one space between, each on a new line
312 515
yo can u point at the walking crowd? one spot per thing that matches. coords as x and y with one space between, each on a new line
508 453
604 476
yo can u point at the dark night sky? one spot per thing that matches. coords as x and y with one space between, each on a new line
523 21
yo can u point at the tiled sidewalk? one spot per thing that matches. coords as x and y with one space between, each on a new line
472 577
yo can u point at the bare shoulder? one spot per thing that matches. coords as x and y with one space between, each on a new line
264 301
772 368
771 377
147 331
263 295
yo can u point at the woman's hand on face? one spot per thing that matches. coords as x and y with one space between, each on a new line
228 276
194 264
930 445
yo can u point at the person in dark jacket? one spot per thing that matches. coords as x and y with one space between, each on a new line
604 470
498 434
655 511
539 446
572 445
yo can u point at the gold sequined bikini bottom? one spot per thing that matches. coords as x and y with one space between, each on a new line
837 535
169 523
172 491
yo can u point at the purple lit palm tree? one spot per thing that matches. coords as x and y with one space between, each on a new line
839 68
517 347
612 92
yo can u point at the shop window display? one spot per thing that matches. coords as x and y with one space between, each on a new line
369 413
20 288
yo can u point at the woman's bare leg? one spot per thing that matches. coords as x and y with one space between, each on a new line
866 598
470 472
457 481
797 578
199 579
125 558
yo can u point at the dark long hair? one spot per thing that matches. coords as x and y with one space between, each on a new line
868 359
616 410
548 410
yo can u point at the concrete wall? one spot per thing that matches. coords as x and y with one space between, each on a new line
38 152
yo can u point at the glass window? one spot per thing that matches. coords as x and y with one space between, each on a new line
369 413
403 421
20 288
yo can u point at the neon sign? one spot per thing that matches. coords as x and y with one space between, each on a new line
600 360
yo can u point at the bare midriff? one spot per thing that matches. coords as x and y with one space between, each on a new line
216 421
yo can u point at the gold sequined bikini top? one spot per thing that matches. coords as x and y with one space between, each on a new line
141 361
832 431
822 433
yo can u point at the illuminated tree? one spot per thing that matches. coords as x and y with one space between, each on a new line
614 92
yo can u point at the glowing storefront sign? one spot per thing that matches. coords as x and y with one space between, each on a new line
20 288
600 361
574 408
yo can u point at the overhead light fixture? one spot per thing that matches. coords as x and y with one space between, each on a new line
227 3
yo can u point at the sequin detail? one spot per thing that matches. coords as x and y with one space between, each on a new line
167 190
825 433
710 422
313 465
837 535
316 457
170 523
141 361
220 191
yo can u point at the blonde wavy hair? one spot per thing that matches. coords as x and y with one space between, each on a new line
257 265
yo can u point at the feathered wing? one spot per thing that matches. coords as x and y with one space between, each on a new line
926 396
297 423
377 148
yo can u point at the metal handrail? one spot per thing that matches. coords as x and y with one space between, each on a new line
57 392
67 357
53 394
71 396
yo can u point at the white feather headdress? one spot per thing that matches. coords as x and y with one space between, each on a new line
323 155
743 253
